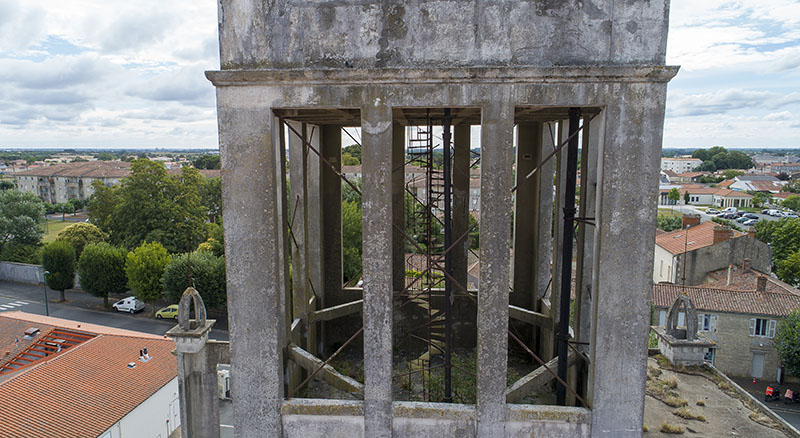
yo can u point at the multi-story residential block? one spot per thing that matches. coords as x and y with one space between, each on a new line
680 164
62 182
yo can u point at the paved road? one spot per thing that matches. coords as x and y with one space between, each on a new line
790 412
706 217
28 298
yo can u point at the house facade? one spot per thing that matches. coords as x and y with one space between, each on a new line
701 195
742 324
704 248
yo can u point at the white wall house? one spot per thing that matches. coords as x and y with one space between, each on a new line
156 417
680 164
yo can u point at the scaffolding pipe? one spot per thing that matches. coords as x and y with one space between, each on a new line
566 253
448 258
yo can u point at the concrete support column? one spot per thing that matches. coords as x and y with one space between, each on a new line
526 215
331 213
558 232
376 134
398 208
255 245
298 206
544 273
461 193
197 385
497 132
625 236
314 227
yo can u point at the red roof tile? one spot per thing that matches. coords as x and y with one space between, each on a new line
699 236
730 301
86 389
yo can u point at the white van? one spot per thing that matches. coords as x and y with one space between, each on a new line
730 210
130 304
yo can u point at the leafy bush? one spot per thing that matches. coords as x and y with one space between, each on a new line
787 342
58 257
81 234
22 253
668 222
200 269
144 267
101 268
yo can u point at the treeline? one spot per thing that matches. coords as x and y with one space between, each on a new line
719 158
783 236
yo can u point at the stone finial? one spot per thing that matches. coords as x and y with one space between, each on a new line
690 332
191 295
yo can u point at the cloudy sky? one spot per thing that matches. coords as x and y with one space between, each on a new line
111 73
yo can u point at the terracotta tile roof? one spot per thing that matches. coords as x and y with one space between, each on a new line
89 169
725 184
746 281
784 195
699 236
86 389
730 301
669 173
693 174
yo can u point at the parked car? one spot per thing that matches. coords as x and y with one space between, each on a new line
728 215
742 219
730 210
776 213
712 211
790 215
168 312
751 215
130 305
765 211
750 222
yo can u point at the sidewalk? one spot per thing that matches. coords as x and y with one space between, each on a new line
77 298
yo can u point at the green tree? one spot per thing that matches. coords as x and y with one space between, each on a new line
792 186
787 342
789 269
105 156
153 206
211 198
81 234
761 198
200 269
686 197
792 202
351 240
208 161
58 258
6 185
144 267
20 216
668 222
101 269
102 204
674 194
732 173
474 235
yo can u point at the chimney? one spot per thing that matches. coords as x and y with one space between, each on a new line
722 234
730 274
746 266
752 233
761 284
690 219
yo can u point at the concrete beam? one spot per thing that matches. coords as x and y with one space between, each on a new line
623 253
376 134
526 215
255 245
529 316
326 373
334 312
315 293
497 131
544 239
535 379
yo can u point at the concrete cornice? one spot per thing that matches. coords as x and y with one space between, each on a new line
454 76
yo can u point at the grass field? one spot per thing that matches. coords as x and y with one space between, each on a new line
52 228
669 212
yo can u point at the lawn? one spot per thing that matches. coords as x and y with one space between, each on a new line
52 227
669 212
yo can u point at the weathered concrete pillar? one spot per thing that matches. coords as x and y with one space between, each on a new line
544 273
460 224
197 382
331 214
592 136
526 215
497 132
314 227
254 245
625 236
558 232
298 224
376 134
398 200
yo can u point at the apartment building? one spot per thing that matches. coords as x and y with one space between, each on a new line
61 182
680 164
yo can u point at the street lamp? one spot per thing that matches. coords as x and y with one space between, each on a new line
44 285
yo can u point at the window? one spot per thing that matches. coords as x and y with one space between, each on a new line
662 318
708 357
706 322
762 327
